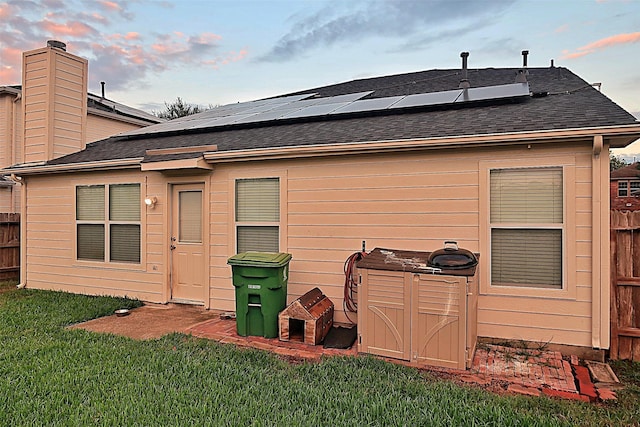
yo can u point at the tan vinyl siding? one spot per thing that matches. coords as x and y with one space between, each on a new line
35 99
55 104
101 127
50 245
6 129
70 105
11 150
411 201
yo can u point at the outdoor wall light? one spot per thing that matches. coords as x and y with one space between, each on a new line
151 201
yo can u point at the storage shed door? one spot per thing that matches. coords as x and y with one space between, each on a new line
439 320
384 317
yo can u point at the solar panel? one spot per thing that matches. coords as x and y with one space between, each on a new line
349 97
220 121
426 99
273 114
513 90
298 106
314 110
368 105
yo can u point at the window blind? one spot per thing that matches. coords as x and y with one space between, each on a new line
526 257
258 200
526 215
260 239
90 243
124 202
526 195
190 218
125 242
90 203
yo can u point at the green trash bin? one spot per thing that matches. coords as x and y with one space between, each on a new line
260 280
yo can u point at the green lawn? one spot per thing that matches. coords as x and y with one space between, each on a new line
53 376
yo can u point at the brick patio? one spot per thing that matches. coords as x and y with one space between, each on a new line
224 330
522 371
525 367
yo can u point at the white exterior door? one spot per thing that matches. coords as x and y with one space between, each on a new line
188 264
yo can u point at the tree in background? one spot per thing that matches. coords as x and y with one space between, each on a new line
176 109
615 162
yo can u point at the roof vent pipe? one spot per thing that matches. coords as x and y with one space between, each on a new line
102 84
57 44
464 83
521 75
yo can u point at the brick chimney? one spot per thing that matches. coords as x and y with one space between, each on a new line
54 100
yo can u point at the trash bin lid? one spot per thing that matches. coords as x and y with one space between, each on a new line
260 259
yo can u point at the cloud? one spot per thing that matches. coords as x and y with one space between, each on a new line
602 44
417 19
424 41
562 29
123 59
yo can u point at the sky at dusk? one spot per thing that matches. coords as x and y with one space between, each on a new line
219 52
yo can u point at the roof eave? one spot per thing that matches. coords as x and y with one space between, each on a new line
120 117
25 170
10 90
616 136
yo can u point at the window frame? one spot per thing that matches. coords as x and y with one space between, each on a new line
628 190
568 225
281 224
107 222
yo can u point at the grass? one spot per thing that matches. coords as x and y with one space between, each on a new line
50 375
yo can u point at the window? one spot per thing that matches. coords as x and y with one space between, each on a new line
527 227
190 217
108 222
628 188
258 215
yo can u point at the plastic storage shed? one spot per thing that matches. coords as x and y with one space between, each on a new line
260 280
409 313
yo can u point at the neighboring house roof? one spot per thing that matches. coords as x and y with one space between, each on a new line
631 171
105 107
559 100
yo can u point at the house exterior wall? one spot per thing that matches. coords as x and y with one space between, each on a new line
101 127
410 201
49 243
10 147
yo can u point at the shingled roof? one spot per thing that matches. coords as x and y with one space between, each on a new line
97 103
631 171
559 100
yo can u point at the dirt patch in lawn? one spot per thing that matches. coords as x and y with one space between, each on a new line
150 321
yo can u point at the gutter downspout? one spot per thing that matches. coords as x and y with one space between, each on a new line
600 268
23 232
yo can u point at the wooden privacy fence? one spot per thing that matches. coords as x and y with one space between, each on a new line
625 285
9 246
